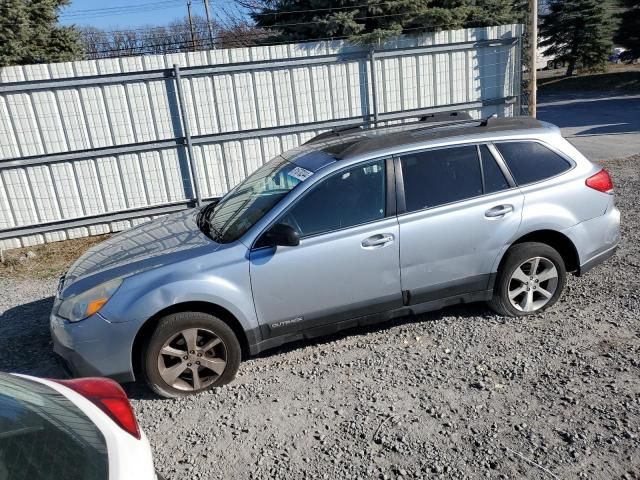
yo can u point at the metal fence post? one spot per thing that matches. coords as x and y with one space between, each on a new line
187 136
374 85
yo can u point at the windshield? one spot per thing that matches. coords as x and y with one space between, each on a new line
248 202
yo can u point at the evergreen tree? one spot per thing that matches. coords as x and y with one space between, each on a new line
628 34
29 33
370 20
13 31
577 32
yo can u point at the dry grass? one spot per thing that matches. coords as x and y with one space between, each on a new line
618 78
51 259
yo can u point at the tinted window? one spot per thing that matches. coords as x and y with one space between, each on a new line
441 176
494 180
43 436
348 198
531 162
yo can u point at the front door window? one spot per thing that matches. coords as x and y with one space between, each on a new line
348 198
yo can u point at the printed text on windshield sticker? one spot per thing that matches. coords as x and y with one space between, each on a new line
300 173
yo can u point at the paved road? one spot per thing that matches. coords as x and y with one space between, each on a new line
600 126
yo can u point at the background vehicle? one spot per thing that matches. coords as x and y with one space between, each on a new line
74 429
352 228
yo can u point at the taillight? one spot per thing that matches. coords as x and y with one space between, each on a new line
109 397
601 181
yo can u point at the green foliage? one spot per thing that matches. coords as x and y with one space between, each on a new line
628 34
367 21
577 32
13 34
29 33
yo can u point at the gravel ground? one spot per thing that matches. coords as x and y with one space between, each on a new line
459 393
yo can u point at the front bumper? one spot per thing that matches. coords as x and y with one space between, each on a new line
94 347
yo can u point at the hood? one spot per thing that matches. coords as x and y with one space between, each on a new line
153 244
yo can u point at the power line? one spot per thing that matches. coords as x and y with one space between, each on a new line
280 25
125 9
272 27
266 43
349 7
178 3
121 10
145 7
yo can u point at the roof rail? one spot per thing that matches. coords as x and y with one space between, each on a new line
488 120
334 132
426 122
446 117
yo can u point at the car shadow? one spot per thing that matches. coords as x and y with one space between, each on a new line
26 346
592 115
25 341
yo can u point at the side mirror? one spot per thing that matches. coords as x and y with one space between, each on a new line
282 234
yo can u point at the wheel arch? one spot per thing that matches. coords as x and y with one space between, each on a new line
148 327
556 240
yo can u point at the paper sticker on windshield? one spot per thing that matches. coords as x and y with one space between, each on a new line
300 173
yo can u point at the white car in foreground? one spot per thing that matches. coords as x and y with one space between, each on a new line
82 429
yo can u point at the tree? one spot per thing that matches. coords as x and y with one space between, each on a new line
628 34
370 20
29 33
577 32
13 32
172 38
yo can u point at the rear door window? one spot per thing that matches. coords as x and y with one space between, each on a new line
494 179
531 162
43 436
438 177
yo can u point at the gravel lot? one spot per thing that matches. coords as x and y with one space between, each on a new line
459 393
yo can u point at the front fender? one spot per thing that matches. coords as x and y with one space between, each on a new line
213 291
142 296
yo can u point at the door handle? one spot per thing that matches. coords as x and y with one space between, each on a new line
377 241
498 211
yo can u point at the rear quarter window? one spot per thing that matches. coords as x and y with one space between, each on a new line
531 162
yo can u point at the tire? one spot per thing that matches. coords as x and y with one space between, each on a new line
515 276
199 350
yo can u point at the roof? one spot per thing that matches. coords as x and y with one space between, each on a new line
367 142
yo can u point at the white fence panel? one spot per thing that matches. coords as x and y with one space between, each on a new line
70 149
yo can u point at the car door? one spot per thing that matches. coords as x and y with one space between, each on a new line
347 262
458 208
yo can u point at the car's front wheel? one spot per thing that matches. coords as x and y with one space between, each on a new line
530 280
190 352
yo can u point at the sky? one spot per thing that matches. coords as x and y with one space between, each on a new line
110 14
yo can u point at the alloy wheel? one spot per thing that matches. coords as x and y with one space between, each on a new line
533 284
192 359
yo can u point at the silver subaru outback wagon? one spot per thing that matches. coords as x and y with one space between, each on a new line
348 229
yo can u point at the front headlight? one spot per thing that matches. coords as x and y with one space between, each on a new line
85 304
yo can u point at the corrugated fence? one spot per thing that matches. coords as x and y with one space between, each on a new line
92 147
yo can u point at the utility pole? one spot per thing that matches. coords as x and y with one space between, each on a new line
533 54
193 35
209 26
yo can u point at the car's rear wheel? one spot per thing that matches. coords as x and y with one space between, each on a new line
530 280
190 352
